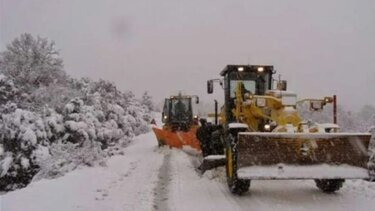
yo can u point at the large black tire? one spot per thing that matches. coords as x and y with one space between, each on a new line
236 186
329 185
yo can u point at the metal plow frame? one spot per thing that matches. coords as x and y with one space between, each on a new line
302 155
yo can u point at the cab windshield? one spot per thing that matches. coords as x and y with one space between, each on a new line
253 82
181 109
249 87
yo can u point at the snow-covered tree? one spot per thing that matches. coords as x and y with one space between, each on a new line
147 101
32 62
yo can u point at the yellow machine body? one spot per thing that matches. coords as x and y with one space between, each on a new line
265 137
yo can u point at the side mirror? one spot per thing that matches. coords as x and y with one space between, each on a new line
282 85
197 100
210 86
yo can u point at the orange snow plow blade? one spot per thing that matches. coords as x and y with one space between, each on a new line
177 139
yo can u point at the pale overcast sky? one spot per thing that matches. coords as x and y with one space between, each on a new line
321 47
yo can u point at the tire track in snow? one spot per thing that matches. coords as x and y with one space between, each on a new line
161 189
116 182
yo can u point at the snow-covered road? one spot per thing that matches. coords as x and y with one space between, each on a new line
152 178
210 192
126 183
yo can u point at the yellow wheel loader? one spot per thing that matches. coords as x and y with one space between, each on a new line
180 125
265 138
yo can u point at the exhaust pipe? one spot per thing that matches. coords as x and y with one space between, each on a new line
216 115
334 109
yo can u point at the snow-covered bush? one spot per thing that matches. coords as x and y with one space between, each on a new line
21 132
54 124
9 92
54 96
137 118
50 123
50 144
80 122
115 110
7 89
102 119
61 158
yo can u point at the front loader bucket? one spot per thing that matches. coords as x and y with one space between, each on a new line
177 139
302 155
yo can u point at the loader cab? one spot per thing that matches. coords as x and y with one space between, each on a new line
178 112
255 80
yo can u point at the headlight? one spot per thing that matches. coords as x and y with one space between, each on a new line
165 117
267 127
240 69
328 100
260 69
261 102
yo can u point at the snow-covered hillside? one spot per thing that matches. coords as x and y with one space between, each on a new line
150 178
52 123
